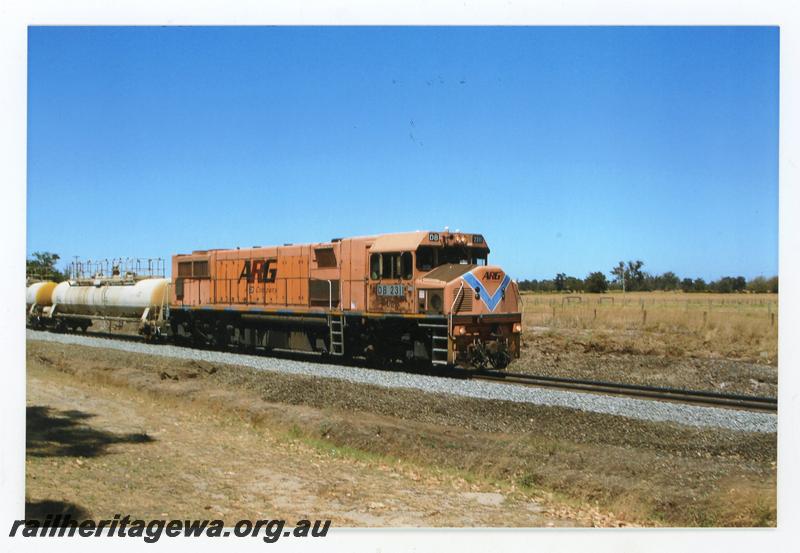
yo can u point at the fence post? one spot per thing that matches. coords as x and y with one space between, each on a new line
772 319
644 317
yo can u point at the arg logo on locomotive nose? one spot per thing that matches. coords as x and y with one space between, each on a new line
492 275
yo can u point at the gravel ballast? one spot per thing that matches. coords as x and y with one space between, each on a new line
640 409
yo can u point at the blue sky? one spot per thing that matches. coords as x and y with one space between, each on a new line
568 148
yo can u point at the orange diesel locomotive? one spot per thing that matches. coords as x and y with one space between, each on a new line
414 296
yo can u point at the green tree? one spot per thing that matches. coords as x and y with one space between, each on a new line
634 275
630 275
699 285
596 283
728 284
618 273
773 284
560 282
758 285
668 281
573 284
43 265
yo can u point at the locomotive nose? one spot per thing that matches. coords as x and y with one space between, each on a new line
489 285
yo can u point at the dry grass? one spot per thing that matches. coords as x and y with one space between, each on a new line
732 326
595 469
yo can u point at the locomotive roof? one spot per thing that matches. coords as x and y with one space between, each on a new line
410 241
404 241
395 242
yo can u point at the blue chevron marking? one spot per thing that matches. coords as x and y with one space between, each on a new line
490 301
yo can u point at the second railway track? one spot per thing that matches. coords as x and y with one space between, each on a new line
697 397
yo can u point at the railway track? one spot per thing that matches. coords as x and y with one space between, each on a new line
696 397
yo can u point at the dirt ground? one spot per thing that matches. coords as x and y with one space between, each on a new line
107 449
113 432
638 357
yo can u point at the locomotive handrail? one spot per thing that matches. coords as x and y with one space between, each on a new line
452 307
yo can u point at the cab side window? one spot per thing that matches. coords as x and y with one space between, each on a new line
425 258
391 266
375 266
406 266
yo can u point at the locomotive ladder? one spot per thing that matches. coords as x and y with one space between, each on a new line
439 339
336 327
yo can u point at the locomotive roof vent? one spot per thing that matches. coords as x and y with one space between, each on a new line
288 244
336 239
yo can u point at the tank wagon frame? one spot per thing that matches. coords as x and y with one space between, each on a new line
419 296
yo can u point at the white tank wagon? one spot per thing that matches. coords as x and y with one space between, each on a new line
38 301
78 302
40 293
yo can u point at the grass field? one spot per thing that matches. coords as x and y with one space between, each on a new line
731 326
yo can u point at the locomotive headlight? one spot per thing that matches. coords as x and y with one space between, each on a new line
517 328
459 330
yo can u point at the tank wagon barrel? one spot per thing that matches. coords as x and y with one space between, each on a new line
142 301
38 302
40 293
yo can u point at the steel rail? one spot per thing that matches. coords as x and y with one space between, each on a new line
703 397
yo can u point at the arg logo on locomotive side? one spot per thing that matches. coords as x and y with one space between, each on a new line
262 270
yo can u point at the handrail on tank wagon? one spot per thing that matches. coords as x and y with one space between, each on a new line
117 266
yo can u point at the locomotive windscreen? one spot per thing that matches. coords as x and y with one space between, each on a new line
429 257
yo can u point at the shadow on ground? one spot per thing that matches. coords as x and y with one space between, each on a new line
40 510
55 433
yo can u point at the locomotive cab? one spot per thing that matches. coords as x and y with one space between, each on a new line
447 280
